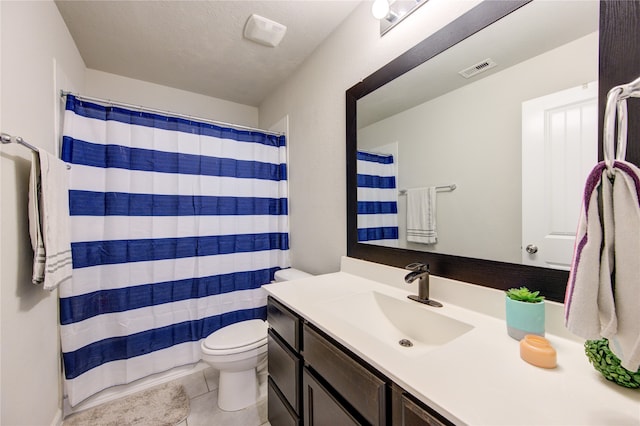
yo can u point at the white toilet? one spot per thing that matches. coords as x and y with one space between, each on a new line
236 350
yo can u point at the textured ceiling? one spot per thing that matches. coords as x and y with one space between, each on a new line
198 45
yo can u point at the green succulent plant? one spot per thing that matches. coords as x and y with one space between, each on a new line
608 364
523 294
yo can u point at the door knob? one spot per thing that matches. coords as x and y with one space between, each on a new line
531 249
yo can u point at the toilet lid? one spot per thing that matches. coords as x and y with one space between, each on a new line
289 274
240 334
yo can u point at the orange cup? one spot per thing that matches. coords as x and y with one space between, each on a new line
537 350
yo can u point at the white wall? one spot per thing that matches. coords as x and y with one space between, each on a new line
137 92
314 99
471 137
38 59
38 55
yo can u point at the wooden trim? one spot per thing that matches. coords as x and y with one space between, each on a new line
620 64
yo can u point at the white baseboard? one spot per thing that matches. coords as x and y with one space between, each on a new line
57 419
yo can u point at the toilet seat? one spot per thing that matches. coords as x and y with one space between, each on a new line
236 338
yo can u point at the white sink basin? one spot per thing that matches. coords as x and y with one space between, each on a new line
391 320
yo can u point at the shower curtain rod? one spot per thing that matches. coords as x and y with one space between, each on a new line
173 114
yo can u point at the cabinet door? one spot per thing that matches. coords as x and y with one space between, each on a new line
362 389
414 415
406 412
320 407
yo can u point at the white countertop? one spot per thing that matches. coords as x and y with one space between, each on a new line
477 378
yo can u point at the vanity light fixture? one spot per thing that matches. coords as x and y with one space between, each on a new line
380 8
392 12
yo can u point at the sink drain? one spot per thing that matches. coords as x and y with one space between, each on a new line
406 343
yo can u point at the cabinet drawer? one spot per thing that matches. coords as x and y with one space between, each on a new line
365 391
284 369
284 322
279 412
320 407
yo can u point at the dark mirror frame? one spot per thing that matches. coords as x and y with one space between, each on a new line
619 64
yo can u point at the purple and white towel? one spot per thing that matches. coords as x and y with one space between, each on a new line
603 292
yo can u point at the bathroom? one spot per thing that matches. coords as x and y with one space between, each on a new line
39 58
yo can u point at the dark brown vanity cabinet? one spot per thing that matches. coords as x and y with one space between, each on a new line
284 366
314 381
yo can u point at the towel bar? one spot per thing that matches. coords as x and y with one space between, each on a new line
451 187
6 138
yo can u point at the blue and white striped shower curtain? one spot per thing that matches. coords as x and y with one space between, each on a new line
176 224
377 199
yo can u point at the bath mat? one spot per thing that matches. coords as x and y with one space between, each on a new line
164 405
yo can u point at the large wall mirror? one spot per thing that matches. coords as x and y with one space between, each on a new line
516 138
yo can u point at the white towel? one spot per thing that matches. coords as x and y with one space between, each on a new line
603 293
625 341
35 224
421 215
50 224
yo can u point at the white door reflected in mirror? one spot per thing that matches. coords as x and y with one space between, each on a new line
559 149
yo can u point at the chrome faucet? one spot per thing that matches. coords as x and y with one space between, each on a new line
421 273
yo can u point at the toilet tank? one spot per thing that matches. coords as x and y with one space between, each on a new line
289 274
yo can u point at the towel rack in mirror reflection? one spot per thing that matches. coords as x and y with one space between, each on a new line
451 187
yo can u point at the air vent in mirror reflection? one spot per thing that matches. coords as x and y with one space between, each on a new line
481 66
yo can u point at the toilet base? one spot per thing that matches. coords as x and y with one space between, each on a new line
237 389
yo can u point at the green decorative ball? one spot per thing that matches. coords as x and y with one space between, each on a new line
608 364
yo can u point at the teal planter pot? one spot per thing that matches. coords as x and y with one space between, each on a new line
524 318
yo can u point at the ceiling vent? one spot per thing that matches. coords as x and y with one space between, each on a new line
478 68
264 31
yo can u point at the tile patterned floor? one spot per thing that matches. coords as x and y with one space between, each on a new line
202 389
